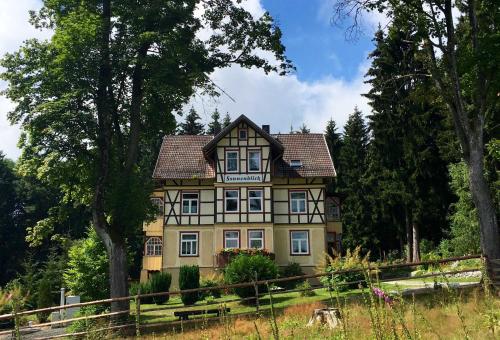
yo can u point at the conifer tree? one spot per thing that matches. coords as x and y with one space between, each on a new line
192 124
352 159
333 140
407 175
214 127
226 121
304 129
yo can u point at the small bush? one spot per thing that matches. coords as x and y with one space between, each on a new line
160 282
307 289
189 278
211 281
44 299
145 289
243 268
340 281
292 269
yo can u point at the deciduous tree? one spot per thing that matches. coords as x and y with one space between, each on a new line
94 98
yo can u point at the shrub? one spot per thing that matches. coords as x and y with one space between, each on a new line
87 273
307 289
44 299
243 268
160 282
189 278
292 269
211 281
350 262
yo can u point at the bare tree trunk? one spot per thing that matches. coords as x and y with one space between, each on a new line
118 269
416 242
409 237
481 195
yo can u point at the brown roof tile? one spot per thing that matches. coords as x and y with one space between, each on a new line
181 157
310 149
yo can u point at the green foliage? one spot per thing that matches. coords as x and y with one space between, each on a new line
192 124
306 286
145 288
333 141
211 281
95 99
246 268
160 282
463 237
292 269
87 272
44 298
215 126
339 282
226 121
189 278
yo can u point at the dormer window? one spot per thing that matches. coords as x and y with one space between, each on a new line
296 163
242 134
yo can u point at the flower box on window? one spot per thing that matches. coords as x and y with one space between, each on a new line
224 256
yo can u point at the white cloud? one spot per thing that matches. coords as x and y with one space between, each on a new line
14 29
284 101
278 101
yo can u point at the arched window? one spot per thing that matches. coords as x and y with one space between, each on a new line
154 246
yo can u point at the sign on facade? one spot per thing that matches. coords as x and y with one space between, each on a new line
242 178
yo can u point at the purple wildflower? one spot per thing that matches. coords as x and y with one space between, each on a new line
381 294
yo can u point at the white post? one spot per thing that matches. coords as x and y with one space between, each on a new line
62 301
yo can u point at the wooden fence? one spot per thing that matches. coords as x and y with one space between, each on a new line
121 319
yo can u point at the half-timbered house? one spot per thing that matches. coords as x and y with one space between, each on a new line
242 188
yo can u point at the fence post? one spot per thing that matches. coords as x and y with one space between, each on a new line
138 312
17 332
256 287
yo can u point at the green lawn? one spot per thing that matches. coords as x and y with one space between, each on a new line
280 301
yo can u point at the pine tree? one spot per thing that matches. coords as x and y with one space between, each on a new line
304 129
407 176
352 161
333 140
214 127
192 124
226 121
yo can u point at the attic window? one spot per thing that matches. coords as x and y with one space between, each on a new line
242 134
295 163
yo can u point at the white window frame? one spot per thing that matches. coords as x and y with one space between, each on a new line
261 239
300 241
298 200
190 204
261 199
193 244
237 239
154 246
226 160
259 162
237 198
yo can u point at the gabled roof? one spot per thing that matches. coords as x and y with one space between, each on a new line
181 157
213 143
311 149
188 157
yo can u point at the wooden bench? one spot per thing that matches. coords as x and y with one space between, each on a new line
184 315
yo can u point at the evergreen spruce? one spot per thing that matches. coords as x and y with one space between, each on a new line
226 121
333 140
407 176
214 127
352 160
191 124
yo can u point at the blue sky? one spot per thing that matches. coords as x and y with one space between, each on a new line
328 83
317 48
